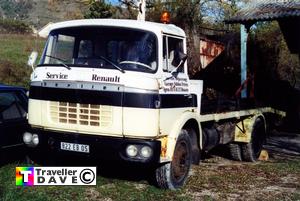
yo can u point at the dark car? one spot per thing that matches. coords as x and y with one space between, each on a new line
13 122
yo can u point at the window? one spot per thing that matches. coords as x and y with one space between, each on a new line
11 107
62 49
171 48
102 47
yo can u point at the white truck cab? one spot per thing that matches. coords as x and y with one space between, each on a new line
122 83
119 90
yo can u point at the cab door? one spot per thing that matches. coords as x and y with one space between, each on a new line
175 91
175 78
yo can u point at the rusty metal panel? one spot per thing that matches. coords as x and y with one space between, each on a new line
209 50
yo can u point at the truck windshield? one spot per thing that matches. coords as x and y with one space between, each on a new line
101 47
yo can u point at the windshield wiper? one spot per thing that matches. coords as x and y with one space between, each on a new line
62 62
112 63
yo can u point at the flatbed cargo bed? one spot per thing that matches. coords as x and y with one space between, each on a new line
239 114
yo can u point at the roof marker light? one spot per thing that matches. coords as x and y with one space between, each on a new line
165 17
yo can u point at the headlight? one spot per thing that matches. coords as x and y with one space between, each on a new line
27 138
131 150
35 139
146 152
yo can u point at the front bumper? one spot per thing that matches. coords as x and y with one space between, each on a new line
101 148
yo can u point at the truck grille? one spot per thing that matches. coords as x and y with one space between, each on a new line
81 114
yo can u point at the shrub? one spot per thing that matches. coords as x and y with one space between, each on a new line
14 74
9 26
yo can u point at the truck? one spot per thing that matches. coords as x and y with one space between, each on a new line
119 90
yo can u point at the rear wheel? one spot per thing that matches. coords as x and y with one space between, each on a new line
235 151
174 174
251 150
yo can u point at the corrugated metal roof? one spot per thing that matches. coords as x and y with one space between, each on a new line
265 10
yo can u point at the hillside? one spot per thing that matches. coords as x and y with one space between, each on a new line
40 12
45 11
14 53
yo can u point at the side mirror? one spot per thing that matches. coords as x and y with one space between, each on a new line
183 57
179 59
32 59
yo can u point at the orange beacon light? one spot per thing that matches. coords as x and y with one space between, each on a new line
165 17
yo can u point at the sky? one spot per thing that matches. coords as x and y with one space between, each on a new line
113 1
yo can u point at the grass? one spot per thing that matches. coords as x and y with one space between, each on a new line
283 167
14 52
16 48
275 180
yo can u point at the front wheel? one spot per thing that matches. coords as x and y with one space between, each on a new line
173 175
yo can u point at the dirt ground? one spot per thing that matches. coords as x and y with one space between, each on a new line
218 178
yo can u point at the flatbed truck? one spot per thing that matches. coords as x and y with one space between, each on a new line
119 90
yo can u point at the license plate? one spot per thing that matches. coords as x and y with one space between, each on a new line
84 148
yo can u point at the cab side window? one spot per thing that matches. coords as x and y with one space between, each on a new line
171 48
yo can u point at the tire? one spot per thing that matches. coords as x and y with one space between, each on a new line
173 175
251 150
195 150
235 151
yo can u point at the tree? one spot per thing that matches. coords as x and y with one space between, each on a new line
15 9
271 54
190 15
99 9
